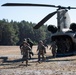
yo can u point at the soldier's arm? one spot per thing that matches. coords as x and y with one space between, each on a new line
21 45
29 48
46 45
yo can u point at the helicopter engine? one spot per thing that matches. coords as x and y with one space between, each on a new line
52 28
73 26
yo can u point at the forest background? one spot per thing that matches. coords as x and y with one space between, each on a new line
13 32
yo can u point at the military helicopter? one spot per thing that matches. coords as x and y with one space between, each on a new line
65 32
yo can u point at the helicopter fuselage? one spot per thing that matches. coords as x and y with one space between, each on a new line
66 42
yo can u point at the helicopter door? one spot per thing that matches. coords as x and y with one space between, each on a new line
63 19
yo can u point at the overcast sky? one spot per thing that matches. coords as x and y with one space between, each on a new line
35 14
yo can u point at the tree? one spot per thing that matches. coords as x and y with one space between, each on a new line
13 33
8 36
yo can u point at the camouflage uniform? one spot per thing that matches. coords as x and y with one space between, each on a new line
41 51
30 52
31 45
25 49
54 48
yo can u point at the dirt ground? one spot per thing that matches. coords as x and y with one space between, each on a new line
10 63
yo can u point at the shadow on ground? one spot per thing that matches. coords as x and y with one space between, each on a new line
48 59
17 63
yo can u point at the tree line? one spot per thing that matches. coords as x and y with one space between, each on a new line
13 32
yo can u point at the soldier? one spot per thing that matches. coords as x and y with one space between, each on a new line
54 48
41 51
31 45
30 42
25 49
22 45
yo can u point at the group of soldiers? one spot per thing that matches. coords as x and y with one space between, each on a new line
26 50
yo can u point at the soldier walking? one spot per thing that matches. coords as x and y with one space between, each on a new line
29 41
25 50
41 51
54 48
30 44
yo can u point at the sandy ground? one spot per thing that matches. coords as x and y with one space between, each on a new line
10 63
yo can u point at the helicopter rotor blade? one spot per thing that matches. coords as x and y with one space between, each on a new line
43 5
27 4
71 7
44 20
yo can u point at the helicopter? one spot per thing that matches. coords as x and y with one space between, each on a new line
65 32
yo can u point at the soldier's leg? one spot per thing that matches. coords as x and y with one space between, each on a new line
26 62
54 54
29 55
23 58
38 57
43 57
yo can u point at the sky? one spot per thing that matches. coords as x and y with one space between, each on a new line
35 14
